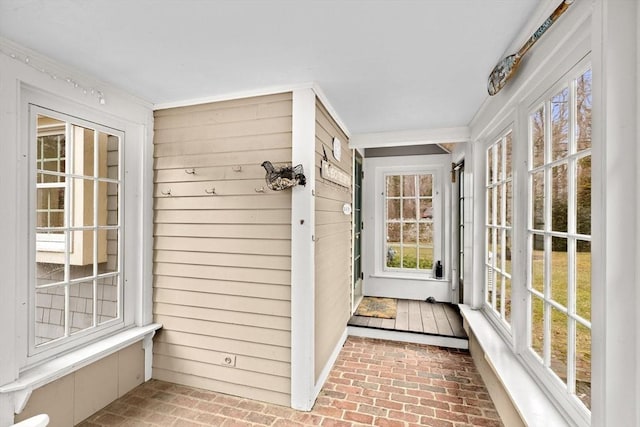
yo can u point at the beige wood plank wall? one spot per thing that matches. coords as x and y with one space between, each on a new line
222 262
333 243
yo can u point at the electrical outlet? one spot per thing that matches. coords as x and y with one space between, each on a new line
228 360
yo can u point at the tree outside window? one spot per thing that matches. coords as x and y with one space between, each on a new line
559 236
409 223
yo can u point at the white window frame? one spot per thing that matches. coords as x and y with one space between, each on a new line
41 351
44 241
416 198
498 224
131 291
515 113
556 387
380 268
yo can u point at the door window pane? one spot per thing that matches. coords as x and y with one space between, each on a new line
409 221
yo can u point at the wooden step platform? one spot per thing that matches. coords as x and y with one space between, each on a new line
416 321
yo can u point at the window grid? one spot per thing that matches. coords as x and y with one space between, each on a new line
51 187
88 291
498 187
409 222
558 242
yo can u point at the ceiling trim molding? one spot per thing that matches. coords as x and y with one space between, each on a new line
410 137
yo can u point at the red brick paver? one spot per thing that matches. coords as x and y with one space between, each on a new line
373 383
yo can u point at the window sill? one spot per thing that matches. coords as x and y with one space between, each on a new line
530 400
400 276
66 364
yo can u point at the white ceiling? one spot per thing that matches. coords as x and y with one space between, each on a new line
384 65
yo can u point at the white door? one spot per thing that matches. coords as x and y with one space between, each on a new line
407 227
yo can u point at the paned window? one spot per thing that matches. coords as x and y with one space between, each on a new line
499 220
409 222
77 284
50 157
559 236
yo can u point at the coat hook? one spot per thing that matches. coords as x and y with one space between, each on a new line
191 171
212 191
237 168
166 193
260 190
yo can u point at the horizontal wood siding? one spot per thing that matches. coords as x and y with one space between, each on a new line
333 243
222 248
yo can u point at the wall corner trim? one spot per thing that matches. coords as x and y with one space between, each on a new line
303 252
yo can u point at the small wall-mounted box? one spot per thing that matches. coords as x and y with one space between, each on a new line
227 360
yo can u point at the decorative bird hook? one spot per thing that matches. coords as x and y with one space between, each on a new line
283 177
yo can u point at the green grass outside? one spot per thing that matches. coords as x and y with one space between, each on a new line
409 257
559 320
558 292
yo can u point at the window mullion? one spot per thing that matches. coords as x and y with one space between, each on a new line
503 224
70 150
494 223
418 215
548 187
402 223
96 234
571 240
571 309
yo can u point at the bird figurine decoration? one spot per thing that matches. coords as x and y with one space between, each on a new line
283 177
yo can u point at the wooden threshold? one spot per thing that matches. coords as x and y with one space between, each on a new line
416 321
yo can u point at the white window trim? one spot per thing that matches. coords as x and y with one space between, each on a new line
19 82
553 385
386 198
506 126
534 405
46 242
50 242
380 269
516 339
40 353
136 278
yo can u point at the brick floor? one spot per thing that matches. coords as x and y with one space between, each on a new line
373 383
